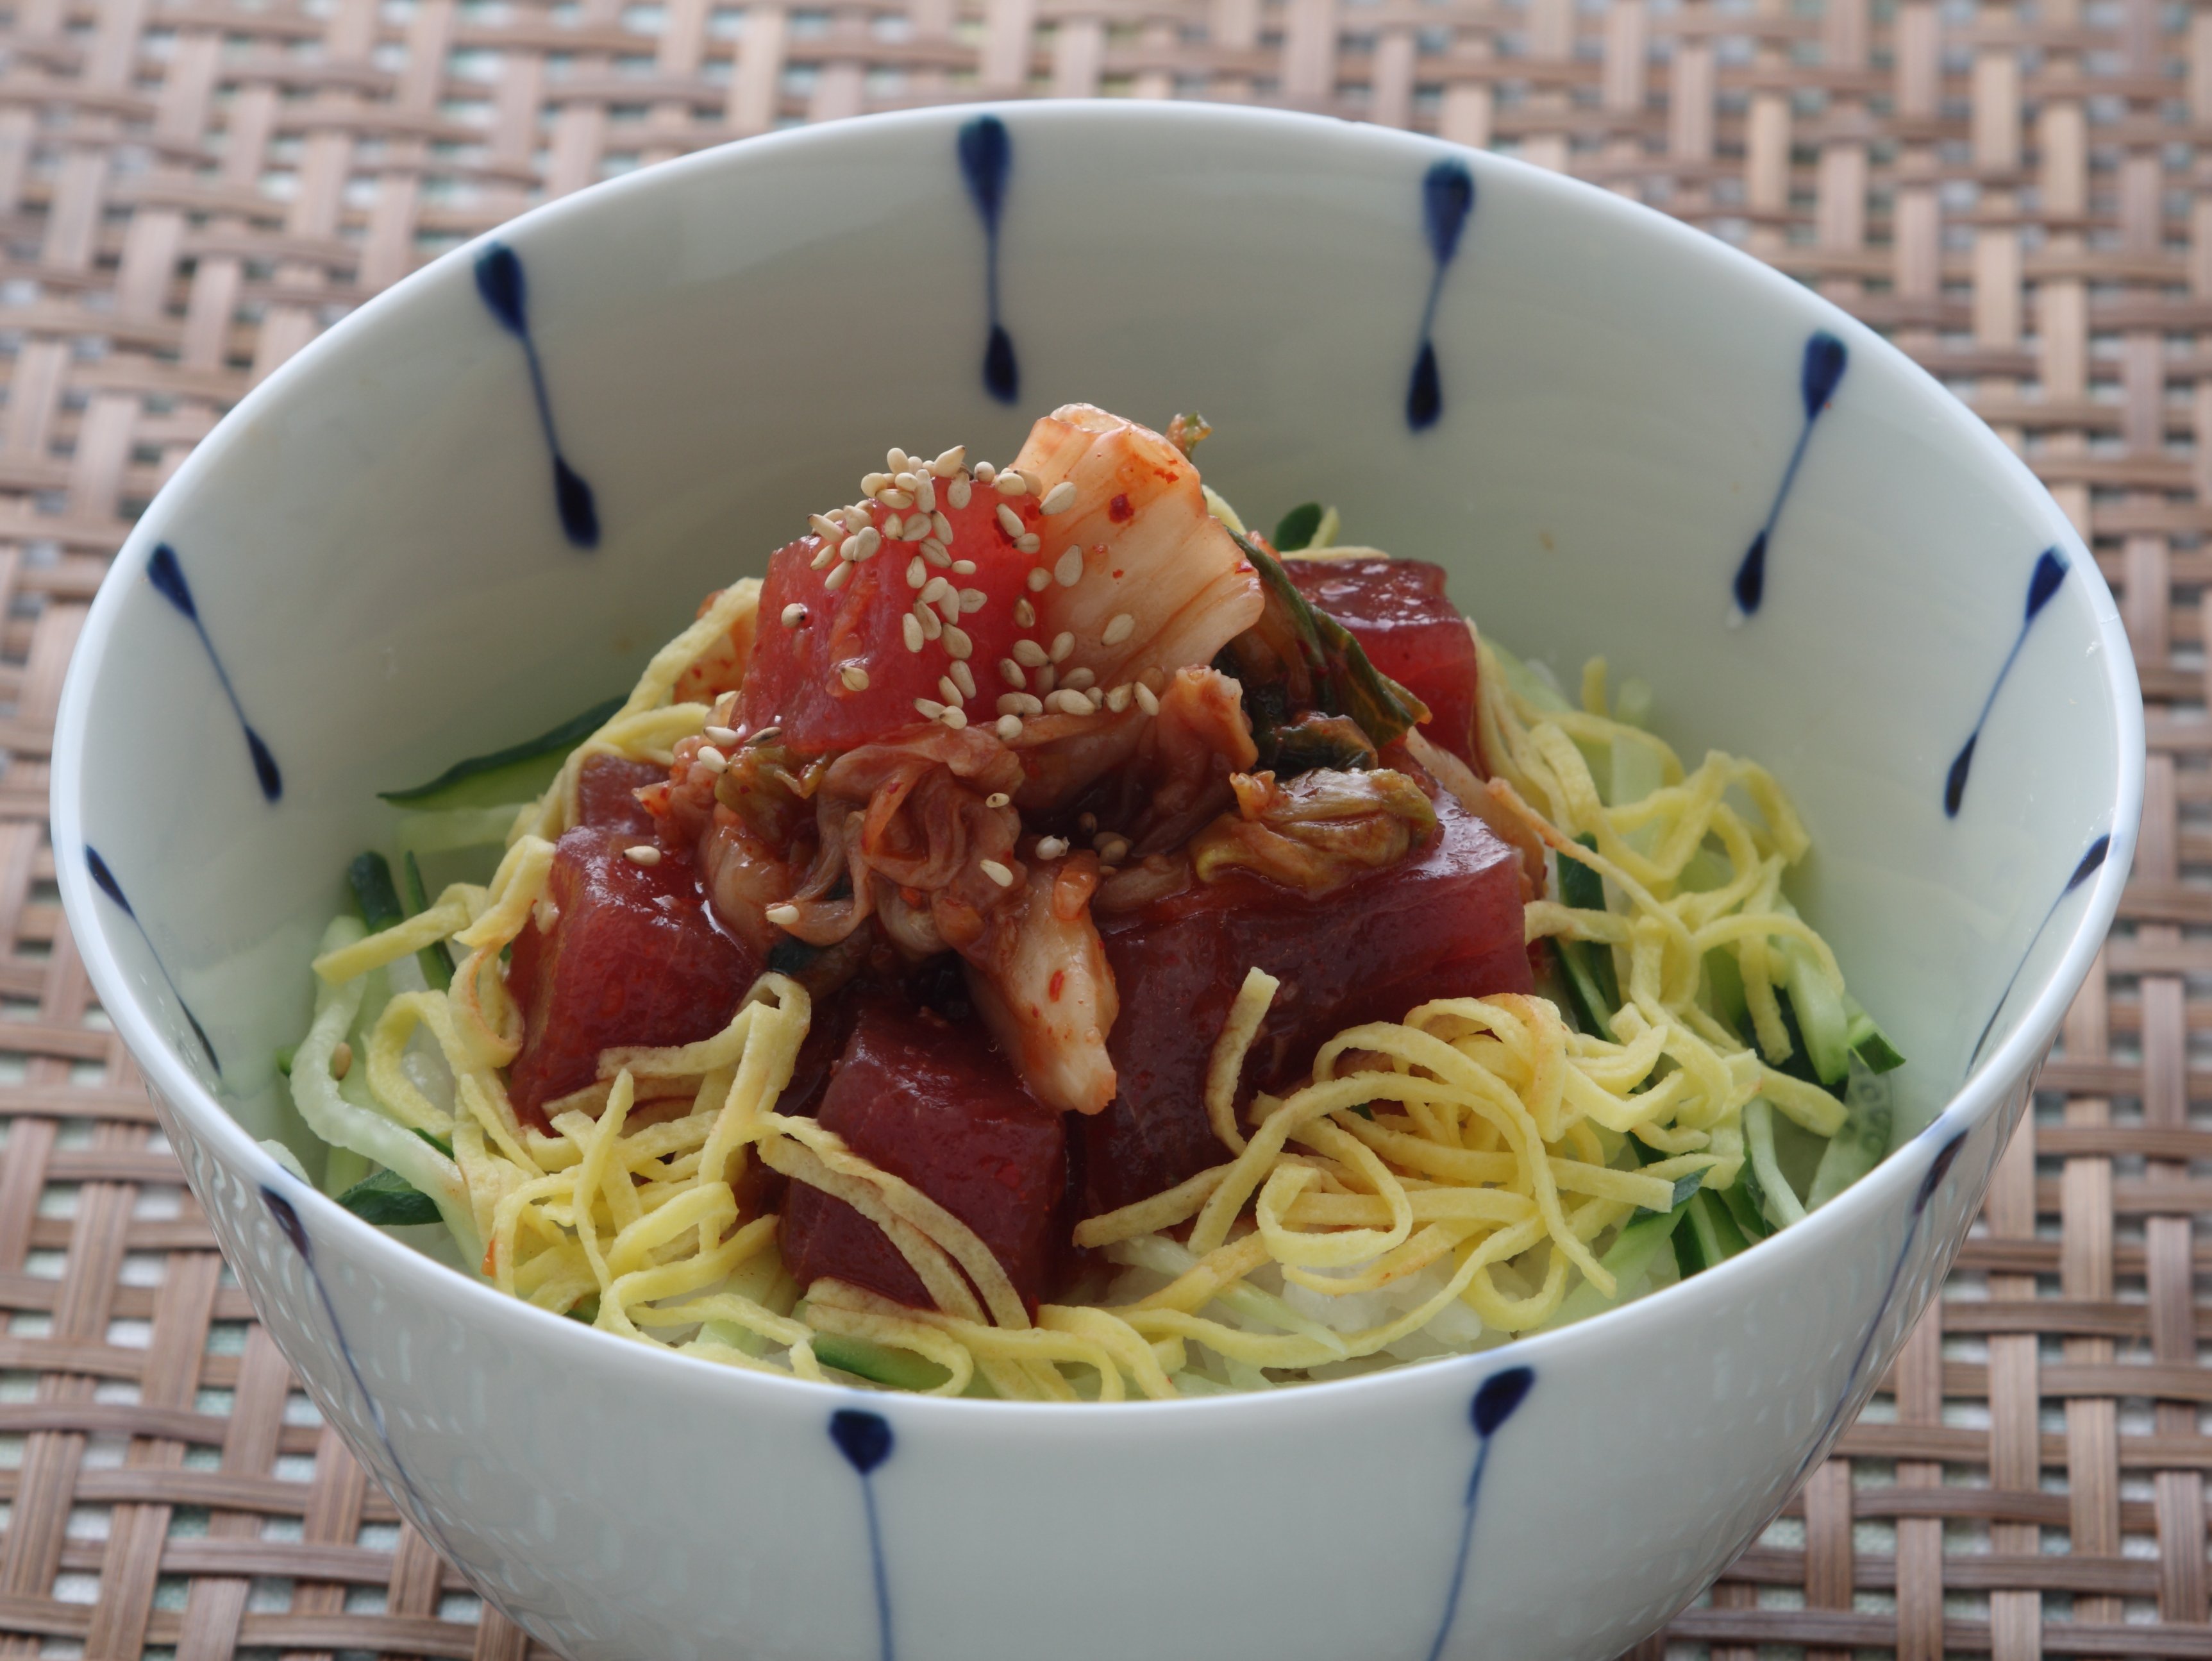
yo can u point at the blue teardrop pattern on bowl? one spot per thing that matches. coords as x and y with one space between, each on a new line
1447 200
504 289
986 160
289 1224
166 573
2091 862
103 878
1498 1398
1819 374
866 1440
2043 582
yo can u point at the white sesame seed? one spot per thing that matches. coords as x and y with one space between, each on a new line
1147 700
941 527
959 493
985 473
1020 704
933 551
956 719
849 549
836 579
916 571
783 916
1113 849
896 459
1010 484
964 677
1068 571
766 735
1009 727
711 758
910 627
1009 520
643 854
1119 630
1062 644
793 615
725 736
916 529
949 464
854 677
935 589
1059 498
828 552
956 641
1118 699
823 525
996 798
950 688
1097 697
1070 703
925 494
931 625
1027 543
870 539
872 483
1040 580
905 480
1051 848
898 499
929 708
1011 673
1078 680
996 871
963 568
1029 655
972 600
1024 613
950 606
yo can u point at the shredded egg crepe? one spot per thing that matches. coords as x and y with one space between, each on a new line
1479 1169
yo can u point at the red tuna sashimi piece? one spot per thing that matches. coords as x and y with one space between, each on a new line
1445 922
633 955
1397 611
606 794
800 676
935 1104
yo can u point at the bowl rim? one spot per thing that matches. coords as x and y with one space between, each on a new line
2011 1062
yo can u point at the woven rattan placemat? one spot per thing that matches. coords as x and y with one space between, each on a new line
2021 194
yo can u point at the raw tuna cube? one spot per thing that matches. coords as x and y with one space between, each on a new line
1445 922
1397 611
633 955
935 1104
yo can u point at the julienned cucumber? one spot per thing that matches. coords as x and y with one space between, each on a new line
519 773
878 1362
1627 1260
1587 968
389 1200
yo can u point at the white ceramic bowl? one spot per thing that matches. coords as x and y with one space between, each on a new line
369 564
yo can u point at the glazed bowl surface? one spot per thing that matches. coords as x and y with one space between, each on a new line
478 504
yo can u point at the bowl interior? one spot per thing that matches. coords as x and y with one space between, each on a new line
370 565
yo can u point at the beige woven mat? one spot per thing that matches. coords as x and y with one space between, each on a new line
2021 193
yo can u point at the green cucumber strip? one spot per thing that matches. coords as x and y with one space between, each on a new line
1724 988
898 1368
341 1169
1717 1236
1587 972
1690 1257
1869 1042
1746 1206
1537 687
370 879
588 1311
451 829
1637 772
284 1054
389 1201
1295 530
437 959
1631 705
1580 886
1819 1013
1778 1201
519 773
1628 1259
1869 1123
1706 870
